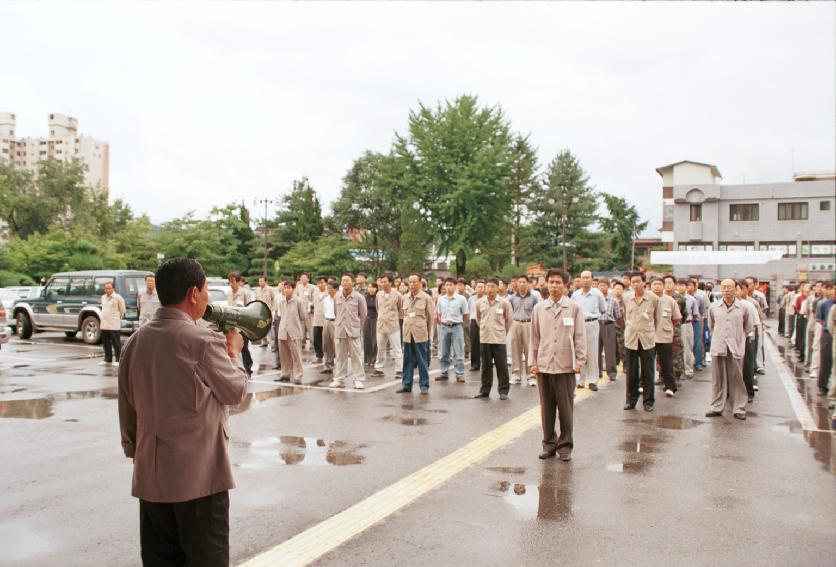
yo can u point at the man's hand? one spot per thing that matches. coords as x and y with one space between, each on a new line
578 369
534 371
234 343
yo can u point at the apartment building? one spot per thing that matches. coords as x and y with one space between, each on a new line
63 142
797 218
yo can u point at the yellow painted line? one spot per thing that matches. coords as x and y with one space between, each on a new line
329 534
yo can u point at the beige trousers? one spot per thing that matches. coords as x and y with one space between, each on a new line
520 340
290 353
727 382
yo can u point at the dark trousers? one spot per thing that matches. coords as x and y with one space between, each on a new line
607 348
246 357
800 336
664 352
195 532
826 358
557 395
370 340
276 323
494 355
112 345
646 358
781 320
317 342
475 350
749 366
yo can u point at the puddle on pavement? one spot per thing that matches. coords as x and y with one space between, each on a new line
412 421
641 445
42 408
789 427
20 543
550 500
413 407
630 465
675 422
252 399
294 450
507 470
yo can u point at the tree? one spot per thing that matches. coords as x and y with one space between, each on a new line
329 255
523 185
458 163
563 214
369 202
206 241
620 227
300 214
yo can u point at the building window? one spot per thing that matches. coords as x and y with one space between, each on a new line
696 247
696 213
818 249
788 248
824 205
736 247
792 211
748 212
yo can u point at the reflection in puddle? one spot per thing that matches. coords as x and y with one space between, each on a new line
252 399
293 450
674 422
507 470
42 408
406 420
641 445
413 407
630 465
550 500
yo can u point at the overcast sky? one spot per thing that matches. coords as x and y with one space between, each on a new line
203 104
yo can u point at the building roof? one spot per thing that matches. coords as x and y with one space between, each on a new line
714 171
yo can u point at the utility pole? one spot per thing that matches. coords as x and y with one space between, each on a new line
266 202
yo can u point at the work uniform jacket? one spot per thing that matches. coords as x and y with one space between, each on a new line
113 310
730 325
388 311
175 381
418 316
558 337
293 314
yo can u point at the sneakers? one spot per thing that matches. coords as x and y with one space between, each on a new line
516 380
359 385
669 393
336 384
399 374
593 387
378 373
532 381
460 378
441 378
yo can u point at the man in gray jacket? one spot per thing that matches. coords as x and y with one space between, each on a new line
175 382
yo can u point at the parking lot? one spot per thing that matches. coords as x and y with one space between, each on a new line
379 478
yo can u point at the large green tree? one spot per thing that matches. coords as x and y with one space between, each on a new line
523 186
327 255
564 213
458 163
620 227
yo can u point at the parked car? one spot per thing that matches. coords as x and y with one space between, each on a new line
8 298
217 293
25 292
5 330
71 302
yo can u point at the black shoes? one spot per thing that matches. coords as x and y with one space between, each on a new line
547 454
713 414
480 395
566 457
740 416
751 398
648 407
593 387
503 396
629 407
402 391
327 371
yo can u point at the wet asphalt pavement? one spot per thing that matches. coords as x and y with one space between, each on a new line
671 487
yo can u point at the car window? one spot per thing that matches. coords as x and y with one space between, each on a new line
216 295
133 284
57 287
81 286
100 283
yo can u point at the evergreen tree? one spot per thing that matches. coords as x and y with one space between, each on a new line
620 227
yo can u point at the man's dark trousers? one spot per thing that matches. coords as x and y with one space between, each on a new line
665 353
557 393
646 358
494 355
475 351
195 532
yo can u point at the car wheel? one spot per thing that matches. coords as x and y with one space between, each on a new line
90 331
70 334
23 325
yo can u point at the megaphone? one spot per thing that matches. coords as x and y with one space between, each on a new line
254 320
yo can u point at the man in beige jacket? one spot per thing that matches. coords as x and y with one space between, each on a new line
175 382
293 312
418 315
113 311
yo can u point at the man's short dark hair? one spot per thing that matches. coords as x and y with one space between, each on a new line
236 276
617 283
333 284
450 280
657 279
304 274
461 280
638 275
361 274
682 281
494 281
321 279
149 276
564 276
628 274
388 277
669 277
349 275
176 276
291 283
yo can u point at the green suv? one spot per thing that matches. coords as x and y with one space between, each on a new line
71 302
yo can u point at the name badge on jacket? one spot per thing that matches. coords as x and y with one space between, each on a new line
569 321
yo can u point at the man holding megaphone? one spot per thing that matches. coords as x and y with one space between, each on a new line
239 296
175 381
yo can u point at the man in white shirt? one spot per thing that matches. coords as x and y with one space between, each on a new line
593 304
475 352
113 311
329 315
147 301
